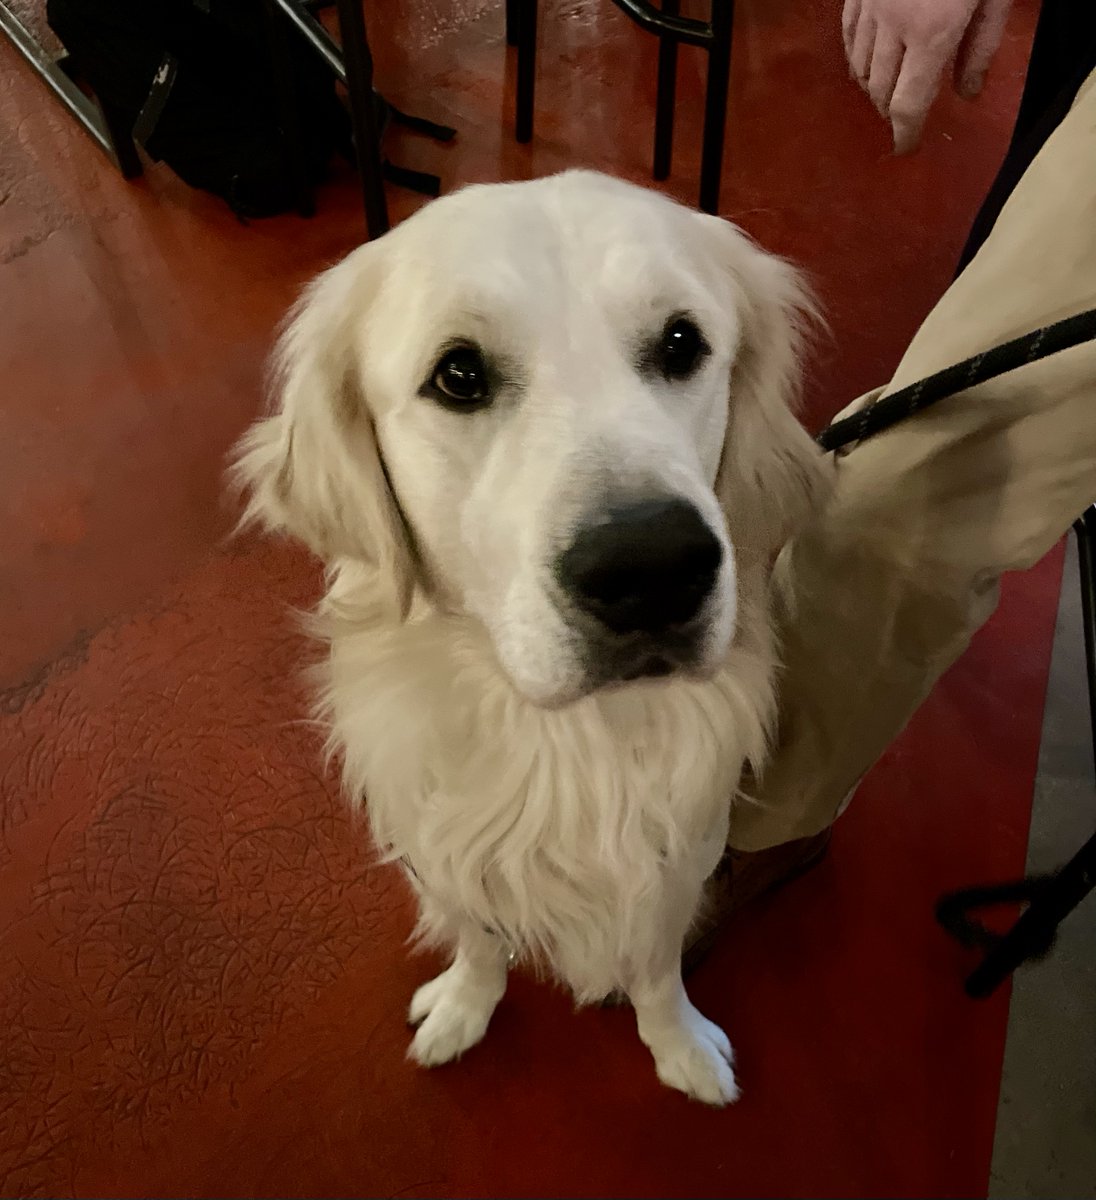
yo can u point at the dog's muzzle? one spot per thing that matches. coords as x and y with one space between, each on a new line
640 576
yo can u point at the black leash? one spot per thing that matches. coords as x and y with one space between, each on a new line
1049 898
988 365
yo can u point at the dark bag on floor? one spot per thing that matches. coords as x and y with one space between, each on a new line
193 80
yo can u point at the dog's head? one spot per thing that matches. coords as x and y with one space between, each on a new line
561 407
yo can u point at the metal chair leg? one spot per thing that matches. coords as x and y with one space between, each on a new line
715 104
666 98
526 33
666 22
363 114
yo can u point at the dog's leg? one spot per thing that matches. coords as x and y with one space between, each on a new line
691 1053
453 1010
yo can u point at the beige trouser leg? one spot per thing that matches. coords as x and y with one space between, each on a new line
886 588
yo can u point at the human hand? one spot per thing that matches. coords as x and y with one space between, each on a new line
898 50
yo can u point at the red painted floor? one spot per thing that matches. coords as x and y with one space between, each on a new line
202 979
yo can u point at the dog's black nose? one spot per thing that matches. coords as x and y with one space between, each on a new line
645 567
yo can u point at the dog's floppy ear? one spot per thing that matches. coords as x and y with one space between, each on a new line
313 468
772 474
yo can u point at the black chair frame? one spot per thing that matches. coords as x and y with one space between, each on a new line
714 36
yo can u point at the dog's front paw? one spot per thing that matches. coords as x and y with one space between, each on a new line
697 1059
452 1013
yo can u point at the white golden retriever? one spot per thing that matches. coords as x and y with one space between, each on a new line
542 436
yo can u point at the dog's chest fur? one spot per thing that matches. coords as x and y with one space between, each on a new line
561 830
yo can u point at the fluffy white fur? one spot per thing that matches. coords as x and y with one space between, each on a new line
542 812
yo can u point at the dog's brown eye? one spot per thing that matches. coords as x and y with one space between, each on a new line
461 378
681 349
